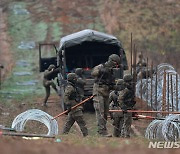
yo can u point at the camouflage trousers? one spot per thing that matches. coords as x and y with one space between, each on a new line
126 127
47 86
118 123
101 107
75 117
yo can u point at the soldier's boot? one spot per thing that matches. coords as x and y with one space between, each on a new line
104 133
84 130
127 136
45 101
85 134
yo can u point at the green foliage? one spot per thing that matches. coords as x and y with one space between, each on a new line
39 31
16 87
57 31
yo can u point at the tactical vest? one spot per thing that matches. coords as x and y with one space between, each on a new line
128 99
106 78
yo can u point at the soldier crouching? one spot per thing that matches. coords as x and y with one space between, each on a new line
71 98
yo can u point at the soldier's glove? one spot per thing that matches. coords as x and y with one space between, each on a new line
68 108
77 100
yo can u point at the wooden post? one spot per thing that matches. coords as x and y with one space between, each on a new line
131 54
172 97
164 93
177 92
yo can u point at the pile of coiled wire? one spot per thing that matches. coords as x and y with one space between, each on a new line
167 130
151 91
147 87
37 115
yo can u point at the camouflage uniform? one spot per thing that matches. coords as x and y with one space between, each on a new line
141 63
141 67
104 81
114 105
80 82
126 102
48 81
71 98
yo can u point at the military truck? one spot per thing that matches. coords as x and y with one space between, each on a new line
84 49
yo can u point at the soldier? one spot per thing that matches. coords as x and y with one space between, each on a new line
80 81
49 75
114 105
104 81
141 64
71 98
126 102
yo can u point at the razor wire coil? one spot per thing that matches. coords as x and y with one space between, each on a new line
167 130
145 87
37 115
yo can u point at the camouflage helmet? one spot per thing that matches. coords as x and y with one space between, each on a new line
79 71
51 67
120 84
71 77
128 78
114 58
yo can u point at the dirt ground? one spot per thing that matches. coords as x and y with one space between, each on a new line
71 15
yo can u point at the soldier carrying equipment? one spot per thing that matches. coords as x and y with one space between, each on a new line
71 98
104 82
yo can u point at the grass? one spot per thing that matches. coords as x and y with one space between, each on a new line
154 24
102 142
22 28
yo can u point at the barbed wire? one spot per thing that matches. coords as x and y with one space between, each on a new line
144 88
168 129
37 115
